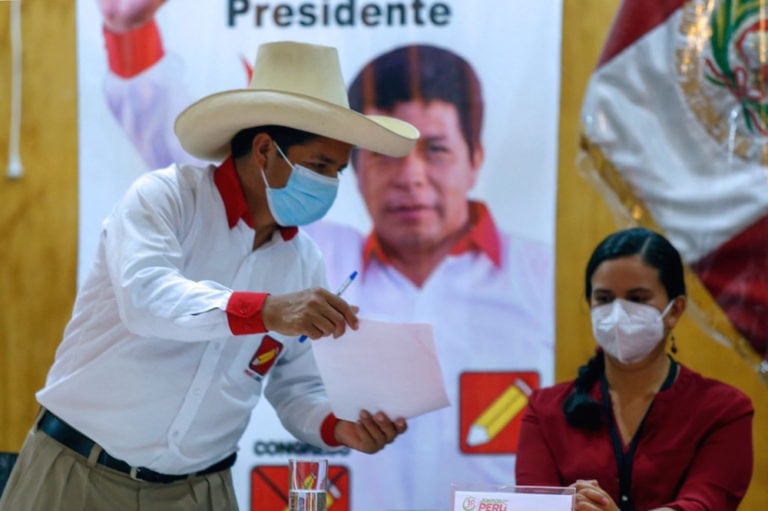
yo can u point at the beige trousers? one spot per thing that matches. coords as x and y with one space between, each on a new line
51 477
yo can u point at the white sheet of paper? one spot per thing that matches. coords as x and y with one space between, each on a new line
382 366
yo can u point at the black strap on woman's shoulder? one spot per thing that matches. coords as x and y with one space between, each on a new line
624 460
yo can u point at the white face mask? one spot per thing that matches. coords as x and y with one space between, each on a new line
628 331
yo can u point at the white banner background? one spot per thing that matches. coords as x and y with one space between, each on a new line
513 45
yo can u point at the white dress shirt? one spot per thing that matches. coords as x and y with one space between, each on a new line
148 367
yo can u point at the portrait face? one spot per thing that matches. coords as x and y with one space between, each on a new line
420 200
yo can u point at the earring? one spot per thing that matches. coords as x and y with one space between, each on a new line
674 346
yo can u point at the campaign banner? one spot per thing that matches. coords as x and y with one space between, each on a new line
674 133
489 299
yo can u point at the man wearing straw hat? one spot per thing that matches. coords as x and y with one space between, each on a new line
201 286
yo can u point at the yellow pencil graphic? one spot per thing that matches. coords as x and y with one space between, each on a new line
266 357
309 482
331 495
500 413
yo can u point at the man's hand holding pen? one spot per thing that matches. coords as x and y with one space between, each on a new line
340 292
313 312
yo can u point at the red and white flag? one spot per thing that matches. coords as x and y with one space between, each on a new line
675 128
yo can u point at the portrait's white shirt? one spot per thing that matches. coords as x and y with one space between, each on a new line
486 317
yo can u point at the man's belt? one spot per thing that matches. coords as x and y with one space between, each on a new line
81 444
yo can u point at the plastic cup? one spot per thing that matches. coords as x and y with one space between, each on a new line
307 484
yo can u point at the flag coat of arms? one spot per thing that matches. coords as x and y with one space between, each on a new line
675 133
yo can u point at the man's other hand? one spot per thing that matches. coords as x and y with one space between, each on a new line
371 433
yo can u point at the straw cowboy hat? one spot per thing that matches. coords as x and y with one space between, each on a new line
294 85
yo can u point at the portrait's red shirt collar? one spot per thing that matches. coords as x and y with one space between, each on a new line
231 192
482 237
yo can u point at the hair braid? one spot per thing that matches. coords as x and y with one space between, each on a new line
581 410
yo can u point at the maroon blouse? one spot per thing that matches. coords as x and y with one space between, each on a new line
693 452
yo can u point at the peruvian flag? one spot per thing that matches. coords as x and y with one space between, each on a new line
675 128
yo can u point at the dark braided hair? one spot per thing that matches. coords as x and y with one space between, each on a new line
581 410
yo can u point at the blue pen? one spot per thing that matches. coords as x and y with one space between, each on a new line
343 288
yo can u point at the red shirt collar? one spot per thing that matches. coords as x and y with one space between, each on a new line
231 192
482 237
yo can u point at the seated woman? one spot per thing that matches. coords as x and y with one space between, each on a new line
636 430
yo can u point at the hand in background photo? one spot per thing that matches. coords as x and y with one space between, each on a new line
126 15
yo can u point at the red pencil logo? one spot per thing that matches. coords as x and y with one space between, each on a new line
491 408
264 358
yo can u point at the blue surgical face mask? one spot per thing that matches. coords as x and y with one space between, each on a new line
306 197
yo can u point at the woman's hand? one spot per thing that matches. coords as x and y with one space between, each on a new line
590 497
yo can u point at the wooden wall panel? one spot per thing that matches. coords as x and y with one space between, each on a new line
583 219
38 213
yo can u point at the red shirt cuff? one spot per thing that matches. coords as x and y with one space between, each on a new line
328 430
130 53
244 313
